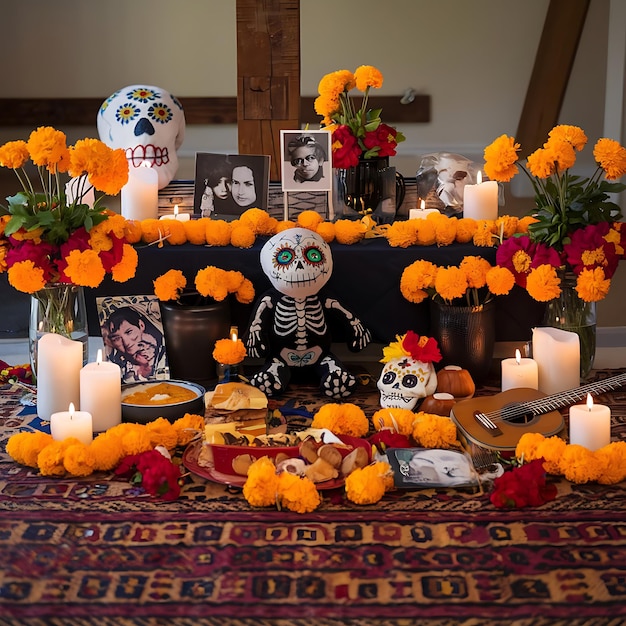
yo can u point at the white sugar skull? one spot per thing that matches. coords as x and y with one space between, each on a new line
404 381
297 261
149 123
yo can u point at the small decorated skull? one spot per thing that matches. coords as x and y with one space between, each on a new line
404 381
148 123
297 261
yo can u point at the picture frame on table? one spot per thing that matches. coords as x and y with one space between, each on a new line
133 337
427 468
227 185
305 160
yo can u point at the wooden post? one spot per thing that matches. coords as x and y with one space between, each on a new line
268 75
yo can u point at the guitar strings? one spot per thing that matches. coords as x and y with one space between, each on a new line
555 401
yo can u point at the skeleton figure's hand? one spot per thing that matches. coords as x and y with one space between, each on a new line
255 344
361 336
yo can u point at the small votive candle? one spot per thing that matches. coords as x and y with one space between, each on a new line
590 425
71 423
519 372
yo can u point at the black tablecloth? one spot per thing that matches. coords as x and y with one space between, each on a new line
366 280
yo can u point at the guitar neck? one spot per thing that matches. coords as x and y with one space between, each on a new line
571 396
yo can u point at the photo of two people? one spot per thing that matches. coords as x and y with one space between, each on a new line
226 185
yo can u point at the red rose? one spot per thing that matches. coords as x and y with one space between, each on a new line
384 137
346 150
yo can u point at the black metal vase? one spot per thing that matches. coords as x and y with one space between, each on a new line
466 336
191 328
369 188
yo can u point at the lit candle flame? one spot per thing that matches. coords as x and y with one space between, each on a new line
99 357
175 210
589 402
233 333
479 177
423 204
71 409
518 357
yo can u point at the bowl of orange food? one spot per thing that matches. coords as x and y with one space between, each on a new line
146 401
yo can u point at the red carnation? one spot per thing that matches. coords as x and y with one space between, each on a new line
523 486
424 349
346 150
384 137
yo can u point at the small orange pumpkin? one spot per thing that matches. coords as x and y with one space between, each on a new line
456 381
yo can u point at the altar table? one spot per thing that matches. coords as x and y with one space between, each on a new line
365 279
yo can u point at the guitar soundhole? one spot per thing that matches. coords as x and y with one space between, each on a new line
516 416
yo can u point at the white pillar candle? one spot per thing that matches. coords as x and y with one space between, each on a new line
590 425
519 372
480 201
140 195
181 217
557 353
101 393
71 423
59 361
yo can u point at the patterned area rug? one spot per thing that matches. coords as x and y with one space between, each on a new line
92 551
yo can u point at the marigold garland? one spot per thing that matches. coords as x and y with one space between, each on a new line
342 419
368 485
57 458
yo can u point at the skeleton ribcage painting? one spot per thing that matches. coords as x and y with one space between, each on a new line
299 319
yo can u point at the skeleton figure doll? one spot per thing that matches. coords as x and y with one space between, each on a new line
289 325
409 373
148 123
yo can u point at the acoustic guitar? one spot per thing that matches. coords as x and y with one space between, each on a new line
498 422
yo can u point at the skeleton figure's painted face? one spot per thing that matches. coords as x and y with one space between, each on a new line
297 261
149 123
404 381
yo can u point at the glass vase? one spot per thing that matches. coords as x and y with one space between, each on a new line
369 188
466 336
58 308
571 313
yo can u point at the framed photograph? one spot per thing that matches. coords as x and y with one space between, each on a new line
132 333
305 159
226 185
415 468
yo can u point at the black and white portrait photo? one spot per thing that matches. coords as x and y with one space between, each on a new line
132 333
305 157
426 467
226 185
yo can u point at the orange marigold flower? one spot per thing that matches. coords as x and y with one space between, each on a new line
527 446
259 221
242 236
611 157
612 461
551 450
127 266
349 232
132 231
195 231
465 230
475 268
425 232
25 447
367 76
26 276
500 281
543 283
212 282
500 158
592 284
561 153
507 225
434 431
79 460
397 420
342 419
162 433
297 494
14 154
326 230
451 283
333 84
229 352
579 465
169 286
445 230
367 485
572 134
245 292
188 426
218 232
47 147
107 451
484 235
417 277
309 219
402 233
174 232
85 268
261 486
525 222
541 163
